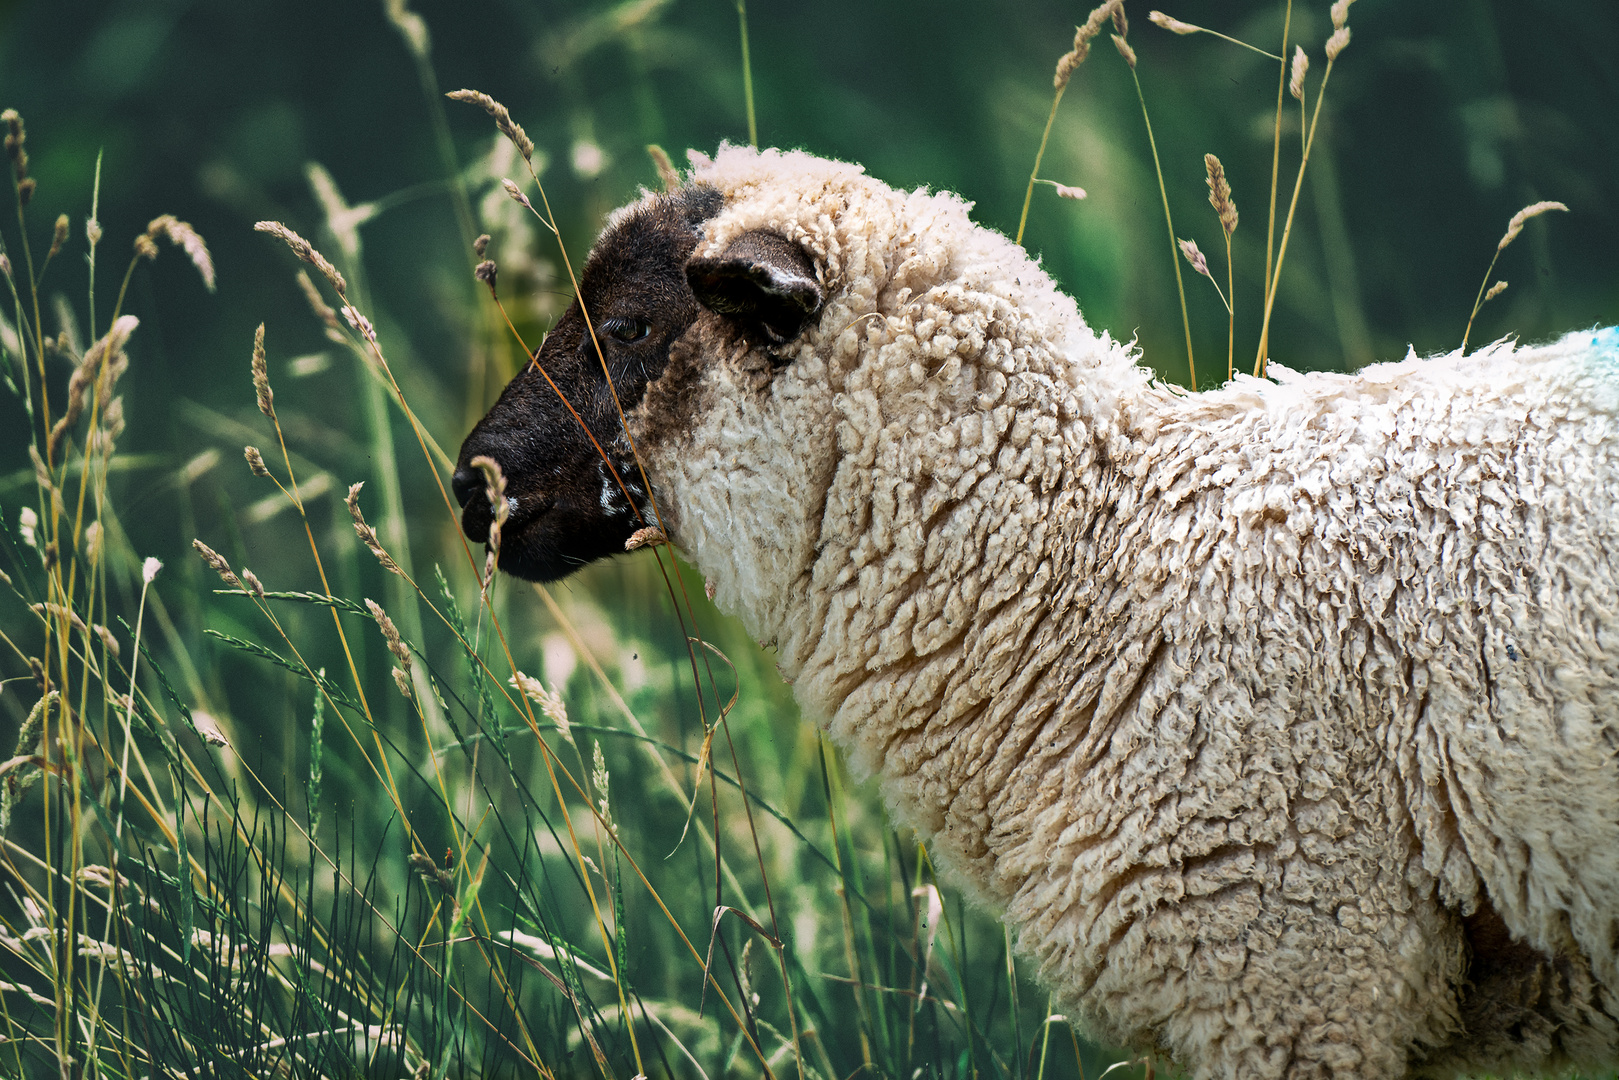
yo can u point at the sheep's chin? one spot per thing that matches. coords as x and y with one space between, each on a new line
542 550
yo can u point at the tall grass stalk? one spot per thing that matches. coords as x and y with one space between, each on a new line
1292 208
1169 221
747 72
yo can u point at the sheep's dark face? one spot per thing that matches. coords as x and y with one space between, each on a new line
573 489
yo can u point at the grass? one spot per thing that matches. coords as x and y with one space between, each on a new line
450 868
369 810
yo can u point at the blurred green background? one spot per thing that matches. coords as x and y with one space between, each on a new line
1442 119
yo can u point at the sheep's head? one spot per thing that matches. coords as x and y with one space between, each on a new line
627 364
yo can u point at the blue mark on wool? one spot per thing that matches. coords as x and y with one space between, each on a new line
1605 350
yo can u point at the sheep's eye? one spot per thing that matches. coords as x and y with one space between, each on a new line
627 330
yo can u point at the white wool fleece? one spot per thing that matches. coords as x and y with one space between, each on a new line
1239 703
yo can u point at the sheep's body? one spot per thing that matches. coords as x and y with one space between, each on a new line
1281 720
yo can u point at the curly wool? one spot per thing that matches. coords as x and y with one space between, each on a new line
1238 703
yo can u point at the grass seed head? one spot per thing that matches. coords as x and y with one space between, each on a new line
1336 43
305 251
58 236
516 193
1515 226
1125 50
253 582
149 569
1083 36
1195 257
481 245
1220 194
1495 290
92 231
217 563
503 119
368 535
486 272
1301 65
145 247
188 240
390 633
1340 13
1174 26
255 461
645 537
261 376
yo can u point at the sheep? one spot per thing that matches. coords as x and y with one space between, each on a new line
1280 720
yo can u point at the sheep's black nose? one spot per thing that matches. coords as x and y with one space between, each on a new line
466 483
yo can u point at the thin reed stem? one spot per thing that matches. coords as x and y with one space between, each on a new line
1275 166
1287 230
1034 173
1231 314
1174 249
747 72
1478 301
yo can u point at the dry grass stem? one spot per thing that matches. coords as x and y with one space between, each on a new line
184 237
503 119
1514 227
305 251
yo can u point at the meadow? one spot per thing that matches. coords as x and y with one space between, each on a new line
298 788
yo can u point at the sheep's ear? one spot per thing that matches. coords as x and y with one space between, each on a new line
761 279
